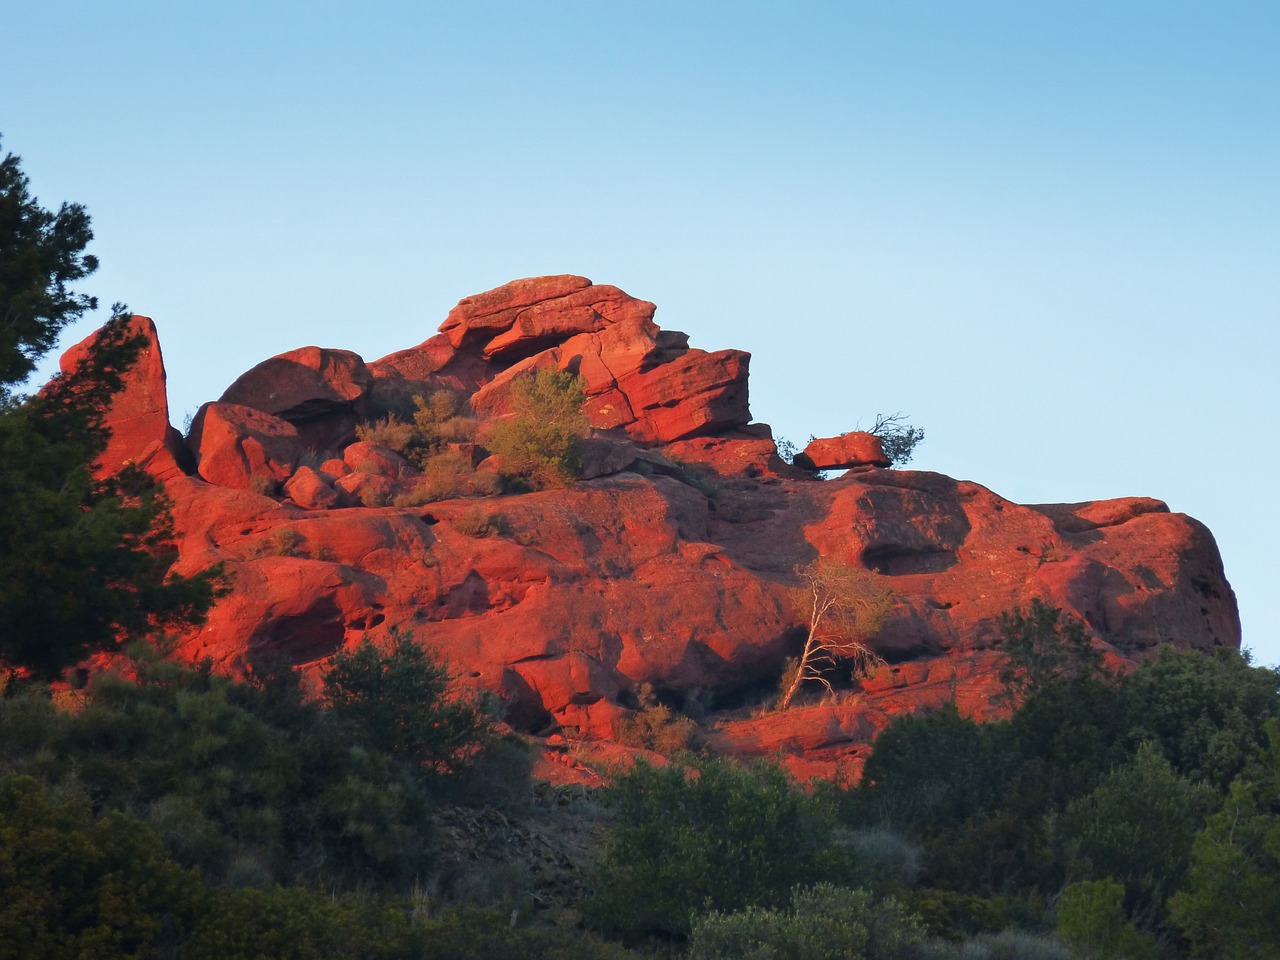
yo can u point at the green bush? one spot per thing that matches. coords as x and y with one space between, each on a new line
1091 920
824 922
479 934
540 443
1207 713
710 836
898 438
1009 944
398 701
475 522
1044 648
232 775
654 728
882 860
298 923
445 475
1136 827
84 889
435 420
1230 906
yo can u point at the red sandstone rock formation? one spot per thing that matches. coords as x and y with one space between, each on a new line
672 565
140 412
849 450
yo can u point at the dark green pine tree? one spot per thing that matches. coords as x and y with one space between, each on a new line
84 562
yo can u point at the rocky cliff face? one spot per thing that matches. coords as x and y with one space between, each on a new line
672 565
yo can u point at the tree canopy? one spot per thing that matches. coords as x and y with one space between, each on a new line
41 253
84 560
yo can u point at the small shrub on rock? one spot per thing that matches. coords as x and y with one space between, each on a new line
655 728
540 443
474 522
436 420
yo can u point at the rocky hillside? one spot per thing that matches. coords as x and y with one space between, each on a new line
672 563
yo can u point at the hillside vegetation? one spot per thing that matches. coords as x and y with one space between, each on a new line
166 811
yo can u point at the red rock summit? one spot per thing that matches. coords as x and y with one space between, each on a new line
672 566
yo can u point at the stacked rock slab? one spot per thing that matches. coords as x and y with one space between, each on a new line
652 571
639 378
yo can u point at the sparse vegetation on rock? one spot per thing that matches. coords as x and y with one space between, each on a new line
540 443
843 607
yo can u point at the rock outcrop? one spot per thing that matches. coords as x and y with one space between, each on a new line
673 565
845 452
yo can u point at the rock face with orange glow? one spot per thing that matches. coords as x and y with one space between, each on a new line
672 566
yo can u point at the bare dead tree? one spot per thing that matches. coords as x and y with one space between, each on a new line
845 605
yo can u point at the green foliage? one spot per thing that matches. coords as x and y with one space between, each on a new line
880 859
1044 648
398 702
475 522
1010 807
1207 713
1230 907
1136 827
435 420
472 934
1010 944
540 443
712 836
824 922
41 254
76 887
1091 920
447 475
248 782
655 728
281 923
84 563
954 915
931 770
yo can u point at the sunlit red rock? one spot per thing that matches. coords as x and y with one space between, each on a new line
309 490
139 413
234 445
316 389
673 564
856 449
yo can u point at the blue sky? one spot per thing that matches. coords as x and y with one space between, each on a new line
1050 232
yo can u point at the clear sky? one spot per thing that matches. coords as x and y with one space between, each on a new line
1048 231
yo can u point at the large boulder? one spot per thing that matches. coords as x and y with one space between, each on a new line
849 450
316 389
694 395
242 447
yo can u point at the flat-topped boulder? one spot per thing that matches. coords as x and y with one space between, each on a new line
317 389
845 452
